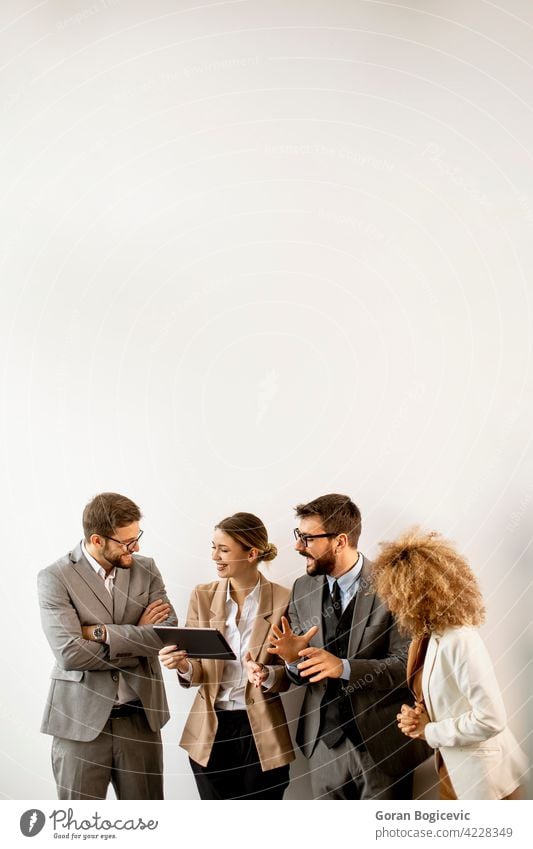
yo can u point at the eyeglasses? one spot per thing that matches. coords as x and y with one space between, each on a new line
304 538
129 546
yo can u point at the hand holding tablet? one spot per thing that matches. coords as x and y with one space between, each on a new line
204 643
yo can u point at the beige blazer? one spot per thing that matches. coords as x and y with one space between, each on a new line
207 609
468 721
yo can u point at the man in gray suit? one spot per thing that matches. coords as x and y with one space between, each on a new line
106 703
343 644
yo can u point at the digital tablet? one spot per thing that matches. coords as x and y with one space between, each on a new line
206 643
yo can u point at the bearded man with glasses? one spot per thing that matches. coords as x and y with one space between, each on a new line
106 703
341 642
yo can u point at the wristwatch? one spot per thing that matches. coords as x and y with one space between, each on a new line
98 633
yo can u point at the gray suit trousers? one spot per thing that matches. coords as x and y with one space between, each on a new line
348 772
126 753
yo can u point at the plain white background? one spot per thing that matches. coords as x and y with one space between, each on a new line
253 252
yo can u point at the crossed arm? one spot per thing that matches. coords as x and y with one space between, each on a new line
70 642
155 613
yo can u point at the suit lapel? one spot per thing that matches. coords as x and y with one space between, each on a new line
120 593
217 619
263 619
94 582
362 609
429 663
314 612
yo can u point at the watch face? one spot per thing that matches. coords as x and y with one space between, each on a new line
98 632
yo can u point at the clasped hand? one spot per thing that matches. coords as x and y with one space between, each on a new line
257 672
413 720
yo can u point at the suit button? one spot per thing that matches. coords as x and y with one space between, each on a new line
250 702
114 676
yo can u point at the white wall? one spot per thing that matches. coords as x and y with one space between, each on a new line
252 253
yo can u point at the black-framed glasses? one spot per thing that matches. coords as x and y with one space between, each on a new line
304 538
127 545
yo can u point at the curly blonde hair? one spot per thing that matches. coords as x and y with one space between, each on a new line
426 584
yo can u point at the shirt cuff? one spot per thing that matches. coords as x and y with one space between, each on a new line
186 675
269 680
346 671
429 734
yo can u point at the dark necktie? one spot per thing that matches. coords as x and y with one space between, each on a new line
336 599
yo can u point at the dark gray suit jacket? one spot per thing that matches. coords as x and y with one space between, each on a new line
85 676
377 687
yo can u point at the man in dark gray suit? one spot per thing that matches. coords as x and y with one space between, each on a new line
343 644
106 703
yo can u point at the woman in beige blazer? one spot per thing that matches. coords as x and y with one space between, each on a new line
236 733
458 707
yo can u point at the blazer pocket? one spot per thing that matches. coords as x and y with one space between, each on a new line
480 751
485 752
141 598
67 675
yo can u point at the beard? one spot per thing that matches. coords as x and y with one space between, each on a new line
320 565
116 559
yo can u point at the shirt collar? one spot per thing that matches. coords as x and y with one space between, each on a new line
349 578
253 594
96 565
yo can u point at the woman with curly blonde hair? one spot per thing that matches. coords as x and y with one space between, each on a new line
458 708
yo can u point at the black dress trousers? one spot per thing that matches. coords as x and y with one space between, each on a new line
234 769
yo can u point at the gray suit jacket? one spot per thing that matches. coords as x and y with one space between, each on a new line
377 687
85 676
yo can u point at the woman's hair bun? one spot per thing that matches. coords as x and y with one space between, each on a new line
269 553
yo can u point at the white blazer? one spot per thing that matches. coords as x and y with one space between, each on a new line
468 721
